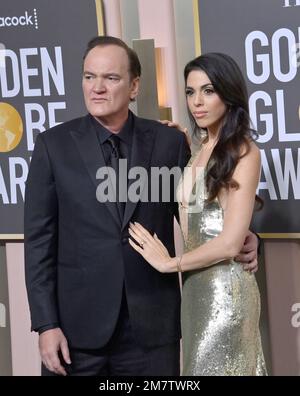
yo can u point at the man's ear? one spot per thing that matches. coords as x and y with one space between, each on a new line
135 85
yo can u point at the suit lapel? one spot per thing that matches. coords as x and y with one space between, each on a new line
90 151
142 145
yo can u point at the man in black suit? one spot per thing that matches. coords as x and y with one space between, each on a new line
99 308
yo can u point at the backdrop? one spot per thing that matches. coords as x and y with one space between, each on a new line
263 37
41 48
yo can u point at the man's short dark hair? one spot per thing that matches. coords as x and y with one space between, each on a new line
135 69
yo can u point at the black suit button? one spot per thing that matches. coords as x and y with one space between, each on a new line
124 240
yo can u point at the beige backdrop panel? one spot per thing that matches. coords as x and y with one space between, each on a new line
5 350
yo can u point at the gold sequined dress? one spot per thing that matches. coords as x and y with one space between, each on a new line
221 303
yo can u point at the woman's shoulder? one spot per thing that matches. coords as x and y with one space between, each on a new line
249 162
249 149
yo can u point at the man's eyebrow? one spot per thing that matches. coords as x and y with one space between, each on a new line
111 74
105 74
88 72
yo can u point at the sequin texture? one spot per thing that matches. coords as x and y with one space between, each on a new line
221 303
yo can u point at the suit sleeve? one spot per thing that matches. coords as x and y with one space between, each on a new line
184 155
40 234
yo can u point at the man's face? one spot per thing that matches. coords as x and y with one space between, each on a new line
106 83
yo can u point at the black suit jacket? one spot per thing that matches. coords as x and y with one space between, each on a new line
77 255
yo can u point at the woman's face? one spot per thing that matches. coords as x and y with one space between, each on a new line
203 102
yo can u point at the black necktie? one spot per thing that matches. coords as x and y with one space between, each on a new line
115 155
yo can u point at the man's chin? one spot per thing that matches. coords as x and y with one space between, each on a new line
98 113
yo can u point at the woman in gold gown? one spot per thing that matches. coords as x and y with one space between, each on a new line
216 196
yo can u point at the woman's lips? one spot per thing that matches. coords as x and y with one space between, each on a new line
200 114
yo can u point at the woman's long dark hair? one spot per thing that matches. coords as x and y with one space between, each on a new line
236 133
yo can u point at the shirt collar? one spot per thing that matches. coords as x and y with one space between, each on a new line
125 133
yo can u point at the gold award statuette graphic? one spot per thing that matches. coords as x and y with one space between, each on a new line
11 128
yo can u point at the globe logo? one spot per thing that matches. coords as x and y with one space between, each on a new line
11 128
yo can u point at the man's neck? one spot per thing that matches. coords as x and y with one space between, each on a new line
113 125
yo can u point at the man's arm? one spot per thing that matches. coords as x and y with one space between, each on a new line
40 232
47 327
183 158
50 343
250 250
